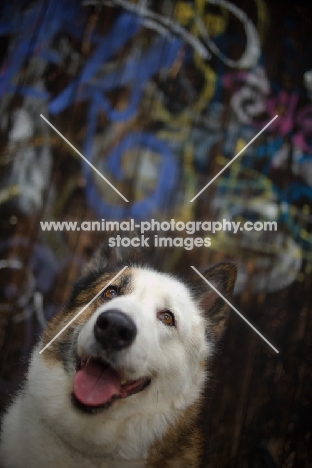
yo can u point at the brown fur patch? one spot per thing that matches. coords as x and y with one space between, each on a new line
55 351
182 445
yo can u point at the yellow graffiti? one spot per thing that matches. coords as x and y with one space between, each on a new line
263 19
8 193
184 13
215 23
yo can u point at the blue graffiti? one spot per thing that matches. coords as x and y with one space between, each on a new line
167 177
34 29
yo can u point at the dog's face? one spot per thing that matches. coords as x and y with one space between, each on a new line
143 345
140 348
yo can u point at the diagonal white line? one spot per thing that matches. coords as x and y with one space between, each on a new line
235 310
85 159
232 160
82 310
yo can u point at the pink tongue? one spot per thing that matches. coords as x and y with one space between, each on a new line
95 385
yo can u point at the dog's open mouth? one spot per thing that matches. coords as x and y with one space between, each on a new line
96 385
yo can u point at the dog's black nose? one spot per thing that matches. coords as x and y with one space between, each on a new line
114 330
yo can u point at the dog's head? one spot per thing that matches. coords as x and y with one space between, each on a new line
140 347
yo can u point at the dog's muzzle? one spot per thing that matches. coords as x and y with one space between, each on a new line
114 330
98 382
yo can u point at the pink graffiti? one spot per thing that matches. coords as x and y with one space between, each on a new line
252 99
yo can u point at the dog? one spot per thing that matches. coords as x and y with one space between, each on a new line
122 385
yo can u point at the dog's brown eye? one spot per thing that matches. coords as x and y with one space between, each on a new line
166 317
110 293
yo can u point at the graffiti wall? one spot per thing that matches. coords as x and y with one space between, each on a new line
159 96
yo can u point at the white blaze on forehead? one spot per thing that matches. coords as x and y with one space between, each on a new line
158 291
160 287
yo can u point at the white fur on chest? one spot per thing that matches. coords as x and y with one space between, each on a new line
28 442
41 430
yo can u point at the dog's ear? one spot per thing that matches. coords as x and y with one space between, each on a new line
222 276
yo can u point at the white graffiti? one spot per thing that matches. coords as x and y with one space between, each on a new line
250 100
165 25
30 165
252 52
